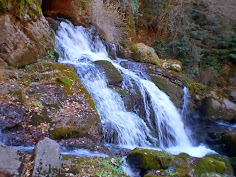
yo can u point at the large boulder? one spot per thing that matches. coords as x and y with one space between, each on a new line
112 74
208 165
47 99
144 53
74 10
11 161
145 159
216 108
159 163
47 158
25 34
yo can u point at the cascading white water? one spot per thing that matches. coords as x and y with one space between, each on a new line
77 46
185 103
185 111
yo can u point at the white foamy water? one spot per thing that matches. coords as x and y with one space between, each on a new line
82 153
79 47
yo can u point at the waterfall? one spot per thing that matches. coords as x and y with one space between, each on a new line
185 112
79 47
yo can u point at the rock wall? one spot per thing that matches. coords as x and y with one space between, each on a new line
74 10
25 34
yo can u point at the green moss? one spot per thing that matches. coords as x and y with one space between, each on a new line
223 159
69 72
149 159
111 166
148 175
24 8
36 103
144 53
122 92
64 133
41 118
83 6
209 165
20 95
78 169
184 155
65 81
67 157
3 5
182 172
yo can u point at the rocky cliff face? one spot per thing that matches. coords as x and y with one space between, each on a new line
74 10
25 35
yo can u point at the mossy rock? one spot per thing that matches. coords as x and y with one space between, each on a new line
65 81
209 165
145 54
172 90
146 159
27 7
182 172
180 162
171 64
112 74
184 155
41 118
148 175
226 160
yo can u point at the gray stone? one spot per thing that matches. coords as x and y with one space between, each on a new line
218 109
47 158
11 161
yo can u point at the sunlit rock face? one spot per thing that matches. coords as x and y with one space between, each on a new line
74 10
25 35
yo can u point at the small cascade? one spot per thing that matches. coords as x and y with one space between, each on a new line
79 47
185 112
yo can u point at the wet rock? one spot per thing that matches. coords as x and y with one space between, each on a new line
144 53
230 142
172 90
25 34
47 158
11 161
112 74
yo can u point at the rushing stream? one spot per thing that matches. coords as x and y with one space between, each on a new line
79 47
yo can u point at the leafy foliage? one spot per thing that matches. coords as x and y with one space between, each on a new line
111 167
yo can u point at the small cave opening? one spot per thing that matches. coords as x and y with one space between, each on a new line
56 8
